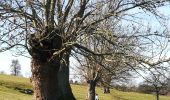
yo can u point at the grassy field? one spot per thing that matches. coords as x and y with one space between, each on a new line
8 91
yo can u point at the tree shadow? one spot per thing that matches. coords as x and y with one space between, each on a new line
119 98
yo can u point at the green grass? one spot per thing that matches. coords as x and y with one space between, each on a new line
9 83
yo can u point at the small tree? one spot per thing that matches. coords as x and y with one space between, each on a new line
15 68
155 82
2 72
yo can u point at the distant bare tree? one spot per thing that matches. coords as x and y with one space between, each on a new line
15 68
157 79
2 72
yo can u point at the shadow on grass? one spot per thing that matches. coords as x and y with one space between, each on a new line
119 98
25 91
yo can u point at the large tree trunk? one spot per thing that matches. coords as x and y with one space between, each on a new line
48 82
45 80
46 64
91 89
63 77
51 80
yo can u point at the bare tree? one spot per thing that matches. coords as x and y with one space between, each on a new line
15 68
157 79
108 66
2 72
48 29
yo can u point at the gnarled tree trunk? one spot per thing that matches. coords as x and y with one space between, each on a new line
46 62
45 80
63 77
51 80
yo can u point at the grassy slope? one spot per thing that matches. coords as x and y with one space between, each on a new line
8 92
8 85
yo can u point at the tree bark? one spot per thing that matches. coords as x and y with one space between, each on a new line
106 90
91 89
45 80
46 64
63 77
157 95
157 92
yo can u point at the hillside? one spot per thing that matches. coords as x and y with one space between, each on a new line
11 85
